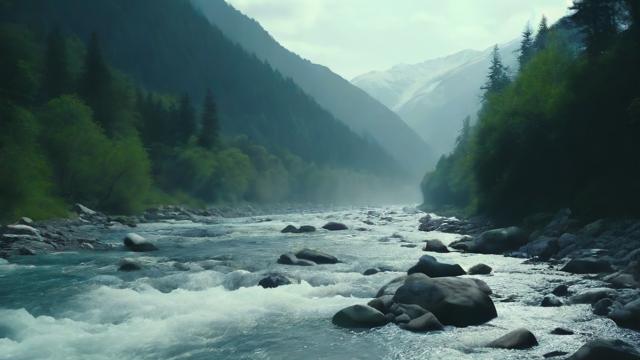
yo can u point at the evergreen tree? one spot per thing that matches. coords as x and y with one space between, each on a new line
96 85
56 77
542 35
633 6
526 46
497 79
187 125
597 19
209 132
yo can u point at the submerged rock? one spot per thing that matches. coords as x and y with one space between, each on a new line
516 339
561 331
291 259
627 316
550 301
592 296
423 323
306 229
289 229
480 269
359 316
128 265
435 246
430 266
273 281
587 265
137 243
335 226
454 301
371 271
316 256
610 349
561 290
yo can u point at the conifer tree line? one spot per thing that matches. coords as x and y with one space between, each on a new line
560 132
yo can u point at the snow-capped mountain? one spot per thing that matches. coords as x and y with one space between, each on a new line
434 96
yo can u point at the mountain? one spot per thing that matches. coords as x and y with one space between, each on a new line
361 112
434 96
170 47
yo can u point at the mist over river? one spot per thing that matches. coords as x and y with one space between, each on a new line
197 296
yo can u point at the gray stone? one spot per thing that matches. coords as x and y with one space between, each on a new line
516 339
83 210
392 286
554 354
359 316
316 256
424 323
429 266
289 229
402 318
498 241
382 303
127 265
561 290
550 301
273 281
371 271
627 316
609 349
561 331
291 259
621 280
435 246
137 243
587 265
543 247
602 307
592 296
480 269
306 229
335 226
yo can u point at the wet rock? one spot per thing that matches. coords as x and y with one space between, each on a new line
430 266
561 331
83 210
359 316
594 229
306 229
498 241
291 259
482 286
554 354
627 316
25 221
402 318
587 265
610 349
516 339
621 280
435 246
592 296
289 229
454 301
127 265
424 323
20 229
382 303
550 301
25 251
480 269
335 226
411 310
561 290
409 246
316 256
602 307
392 286
559 224
371 271
273 281
543 247
137 243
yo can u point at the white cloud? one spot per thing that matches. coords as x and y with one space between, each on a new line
356 36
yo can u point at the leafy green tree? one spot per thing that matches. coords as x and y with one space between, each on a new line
56 77
526 46
498 79
210 128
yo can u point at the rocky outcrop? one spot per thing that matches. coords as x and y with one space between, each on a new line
600 349
430 266
517 339
359 316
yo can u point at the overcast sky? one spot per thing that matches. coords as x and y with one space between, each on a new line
356 36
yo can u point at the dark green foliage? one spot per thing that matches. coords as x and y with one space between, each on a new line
96 85
209 132
56 76
542 36
526 47
497 79
187 125
599 20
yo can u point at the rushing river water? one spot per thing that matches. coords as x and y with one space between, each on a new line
197 298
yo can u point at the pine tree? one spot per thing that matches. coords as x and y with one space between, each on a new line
56 77
187 125
633 7
209 132
542 35
498 79
96 85
598 20
526 46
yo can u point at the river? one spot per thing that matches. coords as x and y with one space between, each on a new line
196 298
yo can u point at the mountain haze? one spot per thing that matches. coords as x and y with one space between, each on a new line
434 96
361 112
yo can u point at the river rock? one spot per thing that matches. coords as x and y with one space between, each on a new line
592 296
371 271
550 301
516 339
430 266
480 269
454 301
289 229
602 307
316 256
561 331
401 319
609 349
273 281
392 286
411 310
423 323
552 354
498 241
543 247
627 316
20 229
291 259
137 243
335 226
83 210
359 316
306 229
382 303
587 265
128 265
561 290
435 246
621 280
25 221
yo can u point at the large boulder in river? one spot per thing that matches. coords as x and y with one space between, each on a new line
316 256
592 296
273 281
516 339
359 316
392 286
289 229
291 259
430 266
480 269
627 316
128 265
498 241
137 243
588 265
335 226
454 301
306 229
423 323
610 349
435 246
